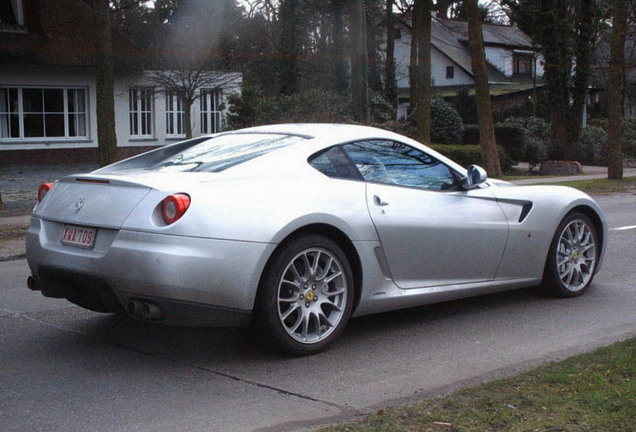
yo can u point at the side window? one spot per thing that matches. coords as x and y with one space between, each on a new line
334 163
392 162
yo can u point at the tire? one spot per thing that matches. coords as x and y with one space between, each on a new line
572 257
305 296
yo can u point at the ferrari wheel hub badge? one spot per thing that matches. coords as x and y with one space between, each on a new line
309 295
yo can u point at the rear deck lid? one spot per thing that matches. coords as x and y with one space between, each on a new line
91 201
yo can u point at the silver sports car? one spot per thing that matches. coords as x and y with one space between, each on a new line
297 228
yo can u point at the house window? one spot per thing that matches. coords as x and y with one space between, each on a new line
30 112
175 116
450 72
397 33
210 111
141 108
522 64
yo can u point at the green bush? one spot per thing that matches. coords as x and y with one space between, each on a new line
536 139
248 108
591 146
447 125
471 154
381 110
629 138
471 134
628 143
512 138
252 108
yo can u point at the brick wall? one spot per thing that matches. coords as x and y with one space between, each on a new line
61 156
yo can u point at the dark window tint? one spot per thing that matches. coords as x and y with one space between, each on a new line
391 162
334 163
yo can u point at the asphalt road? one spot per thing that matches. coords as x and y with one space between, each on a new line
66 369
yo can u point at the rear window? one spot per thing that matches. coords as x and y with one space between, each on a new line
225 151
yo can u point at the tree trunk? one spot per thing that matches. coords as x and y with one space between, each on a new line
105 94
187 118
359 65
413 65
423 35
374 74
288 70
487 142
390 82
555 40
341 77
586 19
615 90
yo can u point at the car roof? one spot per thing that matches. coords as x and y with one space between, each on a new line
319 130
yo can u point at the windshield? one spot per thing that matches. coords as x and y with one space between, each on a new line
224 151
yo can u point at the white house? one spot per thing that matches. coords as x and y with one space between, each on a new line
48 88
512 62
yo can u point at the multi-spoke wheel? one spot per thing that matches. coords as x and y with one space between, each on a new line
572 258
305 296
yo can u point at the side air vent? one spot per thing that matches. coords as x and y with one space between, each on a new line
525 211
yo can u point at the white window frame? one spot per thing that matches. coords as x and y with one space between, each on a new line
141 109
175 115
80 115
211 114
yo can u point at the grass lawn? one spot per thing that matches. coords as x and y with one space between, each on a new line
589 392
601 186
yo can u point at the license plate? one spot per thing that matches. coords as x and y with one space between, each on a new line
73 235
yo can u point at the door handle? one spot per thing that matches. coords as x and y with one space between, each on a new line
378 201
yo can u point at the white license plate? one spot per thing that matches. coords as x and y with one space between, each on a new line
79 236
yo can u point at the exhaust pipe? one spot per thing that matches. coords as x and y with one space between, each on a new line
33 284
150 311
134 308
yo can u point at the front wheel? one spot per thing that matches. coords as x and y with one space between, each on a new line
572 257
306 295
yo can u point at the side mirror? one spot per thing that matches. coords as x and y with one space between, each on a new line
475 176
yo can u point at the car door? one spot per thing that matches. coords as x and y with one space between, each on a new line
433 233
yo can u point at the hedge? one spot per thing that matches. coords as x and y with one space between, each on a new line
471 154
510 137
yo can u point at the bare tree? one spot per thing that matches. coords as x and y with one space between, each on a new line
615 90
186 84
487 142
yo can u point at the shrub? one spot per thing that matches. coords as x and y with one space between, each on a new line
471 154
248 108
591 145
471 134
446 124
512 138
628 142
311 106
537 137
252 108
381 110
629 138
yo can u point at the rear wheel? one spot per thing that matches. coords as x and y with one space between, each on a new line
572 257
306 295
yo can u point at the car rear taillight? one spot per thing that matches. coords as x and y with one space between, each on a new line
174 206
43 189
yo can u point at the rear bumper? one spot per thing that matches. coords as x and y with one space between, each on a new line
195 281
